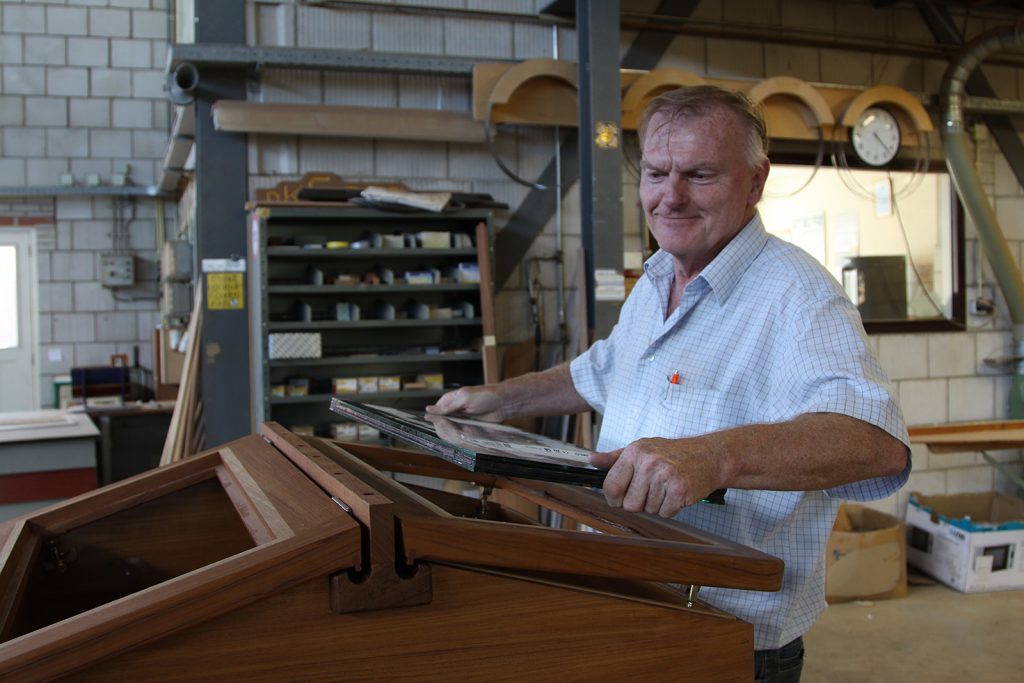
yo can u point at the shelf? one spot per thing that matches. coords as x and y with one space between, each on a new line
371 397
363 254
374 345
372 289
396 359
369 324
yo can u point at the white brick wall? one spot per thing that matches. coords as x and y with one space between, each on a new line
67 21
24 19
81 89
67 81
131 53
46 111
89 52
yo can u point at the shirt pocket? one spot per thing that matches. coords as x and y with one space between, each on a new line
687 411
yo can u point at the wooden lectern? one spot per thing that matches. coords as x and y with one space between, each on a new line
278 557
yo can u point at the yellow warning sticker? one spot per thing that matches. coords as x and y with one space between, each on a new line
224 291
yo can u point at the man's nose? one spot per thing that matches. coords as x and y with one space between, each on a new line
676 191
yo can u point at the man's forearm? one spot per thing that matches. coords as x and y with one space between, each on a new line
538 394
811 452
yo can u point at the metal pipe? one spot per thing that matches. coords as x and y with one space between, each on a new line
182 83
972 194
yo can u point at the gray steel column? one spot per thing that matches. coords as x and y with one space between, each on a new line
221 192
597 27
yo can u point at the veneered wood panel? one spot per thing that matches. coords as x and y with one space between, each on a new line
478 627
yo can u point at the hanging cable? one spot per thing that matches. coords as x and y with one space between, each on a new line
818 162
913 265
489 139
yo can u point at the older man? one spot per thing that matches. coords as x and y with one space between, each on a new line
737 362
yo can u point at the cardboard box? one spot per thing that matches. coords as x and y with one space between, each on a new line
973 542
866 556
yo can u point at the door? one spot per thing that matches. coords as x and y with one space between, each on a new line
19 373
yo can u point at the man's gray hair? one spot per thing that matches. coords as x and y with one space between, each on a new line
700 100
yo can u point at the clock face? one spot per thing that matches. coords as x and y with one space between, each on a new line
876 137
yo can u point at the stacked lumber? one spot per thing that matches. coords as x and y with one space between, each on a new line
185 433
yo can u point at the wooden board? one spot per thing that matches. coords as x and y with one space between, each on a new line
970 436
340 121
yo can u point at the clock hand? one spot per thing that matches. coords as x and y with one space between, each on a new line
881 141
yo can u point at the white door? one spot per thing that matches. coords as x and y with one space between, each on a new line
19 373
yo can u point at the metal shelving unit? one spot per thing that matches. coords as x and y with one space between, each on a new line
292 269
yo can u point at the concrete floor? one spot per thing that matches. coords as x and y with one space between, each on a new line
934 634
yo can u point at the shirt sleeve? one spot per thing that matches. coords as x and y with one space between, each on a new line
829 368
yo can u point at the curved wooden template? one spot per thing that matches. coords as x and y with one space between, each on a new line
888 94
545 87
514 78
795 88
649 86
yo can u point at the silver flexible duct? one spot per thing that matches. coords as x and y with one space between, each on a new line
972 194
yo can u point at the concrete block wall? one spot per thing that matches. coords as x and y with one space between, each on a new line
81 92
939 377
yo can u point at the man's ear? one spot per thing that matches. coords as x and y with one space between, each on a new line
760 176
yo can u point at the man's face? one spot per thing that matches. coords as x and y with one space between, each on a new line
696 185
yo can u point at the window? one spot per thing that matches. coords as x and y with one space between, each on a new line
8 297
893 239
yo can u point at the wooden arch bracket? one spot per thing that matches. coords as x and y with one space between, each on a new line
544 92
649 86
907 108
537 91
782 119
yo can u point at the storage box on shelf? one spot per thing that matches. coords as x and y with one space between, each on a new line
392 307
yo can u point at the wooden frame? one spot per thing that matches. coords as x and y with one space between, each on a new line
294 536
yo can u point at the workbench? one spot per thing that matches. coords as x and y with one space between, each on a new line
45 456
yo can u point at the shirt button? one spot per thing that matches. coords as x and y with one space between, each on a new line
648 358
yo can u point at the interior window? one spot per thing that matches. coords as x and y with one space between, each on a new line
893 239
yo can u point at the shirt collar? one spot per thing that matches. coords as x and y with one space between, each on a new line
724 272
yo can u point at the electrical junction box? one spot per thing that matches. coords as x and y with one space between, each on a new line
117 270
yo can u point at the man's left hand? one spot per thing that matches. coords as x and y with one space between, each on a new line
657 476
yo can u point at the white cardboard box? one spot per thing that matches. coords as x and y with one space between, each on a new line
973 542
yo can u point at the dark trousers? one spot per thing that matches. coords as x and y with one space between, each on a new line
780 666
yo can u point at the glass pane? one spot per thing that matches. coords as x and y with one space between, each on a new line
887 236
8 297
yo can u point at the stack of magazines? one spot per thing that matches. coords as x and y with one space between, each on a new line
480 446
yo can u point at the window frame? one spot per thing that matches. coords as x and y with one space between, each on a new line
957 322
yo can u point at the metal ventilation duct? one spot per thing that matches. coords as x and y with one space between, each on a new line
968 185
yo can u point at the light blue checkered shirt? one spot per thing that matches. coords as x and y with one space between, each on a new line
763 334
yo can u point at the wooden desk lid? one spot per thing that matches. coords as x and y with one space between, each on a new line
630 546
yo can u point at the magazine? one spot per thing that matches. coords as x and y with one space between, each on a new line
480 446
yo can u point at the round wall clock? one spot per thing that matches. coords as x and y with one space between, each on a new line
876 137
